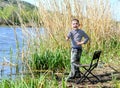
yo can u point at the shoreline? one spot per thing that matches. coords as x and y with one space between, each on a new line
9 25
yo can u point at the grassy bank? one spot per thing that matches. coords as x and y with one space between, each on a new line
41 82
46 81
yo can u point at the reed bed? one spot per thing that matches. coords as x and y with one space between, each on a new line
55 19
95 19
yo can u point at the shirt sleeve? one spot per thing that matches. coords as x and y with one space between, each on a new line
86 37
69 35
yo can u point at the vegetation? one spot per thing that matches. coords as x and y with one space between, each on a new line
41 82
47 48
98 25
10 10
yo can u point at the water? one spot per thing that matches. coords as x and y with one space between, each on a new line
8 49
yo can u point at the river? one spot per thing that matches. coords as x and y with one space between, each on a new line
8 49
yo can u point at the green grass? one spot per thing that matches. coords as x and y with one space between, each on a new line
56 60
43 81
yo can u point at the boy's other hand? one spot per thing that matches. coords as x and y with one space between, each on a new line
80 43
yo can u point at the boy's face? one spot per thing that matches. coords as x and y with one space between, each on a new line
75 24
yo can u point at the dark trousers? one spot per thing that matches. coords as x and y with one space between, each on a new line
75 58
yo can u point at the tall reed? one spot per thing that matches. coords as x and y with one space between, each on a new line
45 45
95 18
54 17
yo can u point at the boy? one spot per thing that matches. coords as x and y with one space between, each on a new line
76 36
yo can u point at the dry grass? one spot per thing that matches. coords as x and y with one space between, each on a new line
55 17
95 18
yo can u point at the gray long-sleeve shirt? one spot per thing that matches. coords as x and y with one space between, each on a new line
76 36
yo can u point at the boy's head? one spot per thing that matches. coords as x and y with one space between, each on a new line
75 23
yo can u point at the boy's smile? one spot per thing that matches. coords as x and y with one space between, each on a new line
75 24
